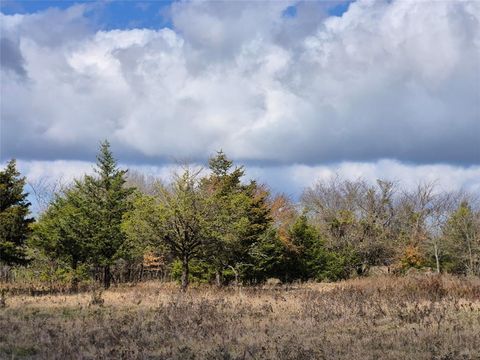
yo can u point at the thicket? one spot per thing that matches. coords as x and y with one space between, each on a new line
211 225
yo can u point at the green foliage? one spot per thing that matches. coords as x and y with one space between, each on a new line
315 260
106 198
270 259
216 227
64 231
183 214
14 211
239 216
143 228
258 213
200 271
220 166
83 224
43 269
462 234
303 257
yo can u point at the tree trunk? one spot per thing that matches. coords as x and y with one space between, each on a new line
185 273
470 257
74 283
107 277
437 258
218 278
236 275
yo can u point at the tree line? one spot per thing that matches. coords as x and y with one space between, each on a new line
213 226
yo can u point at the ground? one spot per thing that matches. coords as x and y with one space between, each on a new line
421 317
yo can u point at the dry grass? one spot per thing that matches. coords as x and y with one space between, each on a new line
379 318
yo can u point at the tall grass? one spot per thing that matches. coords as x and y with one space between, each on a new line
424 317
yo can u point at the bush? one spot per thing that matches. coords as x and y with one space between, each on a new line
200 272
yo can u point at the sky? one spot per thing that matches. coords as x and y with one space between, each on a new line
296 91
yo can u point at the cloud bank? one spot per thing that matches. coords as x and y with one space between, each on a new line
289 179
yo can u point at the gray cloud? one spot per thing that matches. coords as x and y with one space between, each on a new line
10 56
397 80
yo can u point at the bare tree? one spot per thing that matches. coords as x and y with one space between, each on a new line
145 183
355 216
44 190
443 205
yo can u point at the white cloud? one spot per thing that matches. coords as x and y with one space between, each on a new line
61 170
386 80
294 178
289 179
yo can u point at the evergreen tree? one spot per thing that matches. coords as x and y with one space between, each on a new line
225 179
301 255
228 217
314 260
63 230
240 216
83 225
220 164
105 200
14 211
270 257
256 230
258 213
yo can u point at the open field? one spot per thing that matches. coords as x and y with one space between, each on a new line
425 317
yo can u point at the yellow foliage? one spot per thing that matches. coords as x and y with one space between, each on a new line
412 257
151 261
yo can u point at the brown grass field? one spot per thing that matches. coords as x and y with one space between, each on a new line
422 317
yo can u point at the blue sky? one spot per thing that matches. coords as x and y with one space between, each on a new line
128 14
106 14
